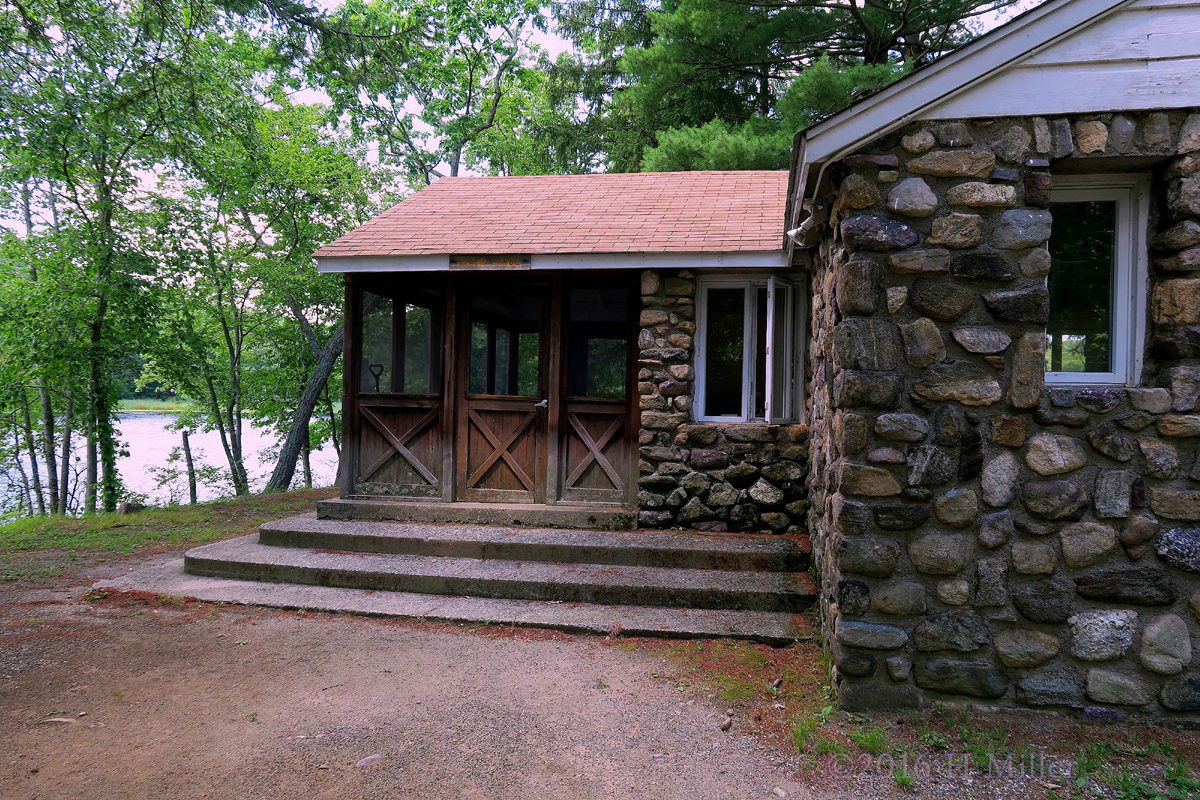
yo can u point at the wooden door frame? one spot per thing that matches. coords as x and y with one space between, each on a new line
631 279
549 376
454 378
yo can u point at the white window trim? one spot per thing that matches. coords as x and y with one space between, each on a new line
796 315
1132 194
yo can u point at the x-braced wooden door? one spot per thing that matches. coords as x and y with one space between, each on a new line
598 430
400 420
503 392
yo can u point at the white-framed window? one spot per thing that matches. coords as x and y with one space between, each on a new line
1097 280
748 349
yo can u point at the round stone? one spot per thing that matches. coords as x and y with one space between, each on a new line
1000 480
938 554
957 629
1044 601
1033 558
1180 547
902 427
913 198
1166 645
858 192
1025 649
1102 635
875 558
981 339
766 494
857 665
1054 454
1053 500
1105 686
1086 543
900 598
957 508
870 635
957 592
957 231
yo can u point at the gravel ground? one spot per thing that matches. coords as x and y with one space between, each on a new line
207 702
128 699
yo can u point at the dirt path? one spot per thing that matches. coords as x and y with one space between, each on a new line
141 697
204 702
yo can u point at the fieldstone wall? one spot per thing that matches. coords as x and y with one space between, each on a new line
980 536
748 477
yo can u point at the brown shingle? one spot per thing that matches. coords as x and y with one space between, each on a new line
604 213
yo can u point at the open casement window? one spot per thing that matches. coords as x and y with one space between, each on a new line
747 350
401 341
1097 280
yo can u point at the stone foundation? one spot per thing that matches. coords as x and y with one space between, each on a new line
978 535
747 477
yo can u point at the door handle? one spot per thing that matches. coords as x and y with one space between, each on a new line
542 404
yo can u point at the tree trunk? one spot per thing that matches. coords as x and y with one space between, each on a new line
306 456
191 469
90 475
239 486
38 495
21 467
64 488
48 449
285 467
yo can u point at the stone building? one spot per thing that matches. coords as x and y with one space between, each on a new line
957 349
1005 368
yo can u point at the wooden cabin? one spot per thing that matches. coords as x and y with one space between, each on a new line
538 340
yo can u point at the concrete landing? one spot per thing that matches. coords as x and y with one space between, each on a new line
605 518
772 628
246 558
678 550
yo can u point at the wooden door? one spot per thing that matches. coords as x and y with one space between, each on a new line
502 393
598 429
395 377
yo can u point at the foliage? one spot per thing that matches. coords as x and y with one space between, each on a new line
667 72
422 78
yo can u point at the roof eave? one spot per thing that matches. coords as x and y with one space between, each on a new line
957 72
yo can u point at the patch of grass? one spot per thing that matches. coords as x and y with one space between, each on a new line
1178 775
171 406
153 527
873 740
1090 759
803 732
931 739
902 778
830 747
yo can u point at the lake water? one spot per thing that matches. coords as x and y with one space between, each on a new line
150 442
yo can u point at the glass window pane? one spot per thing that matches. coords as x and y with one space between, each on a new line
376 359
1083 253
725 315
479 358
760 353
598 342
781 354
505 358
419 359
527 365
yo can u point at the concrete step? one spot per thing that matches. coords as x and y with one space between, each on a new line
677 550
246 558
772 628
605 518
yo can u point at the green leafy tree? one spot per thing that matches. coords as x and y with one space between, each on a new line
97 95
425 79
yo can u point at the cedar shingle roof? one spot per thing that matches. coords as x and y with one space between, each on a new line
599 213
